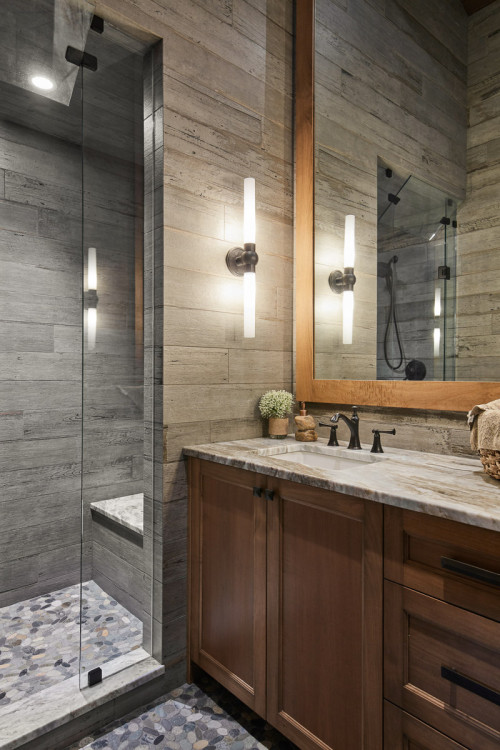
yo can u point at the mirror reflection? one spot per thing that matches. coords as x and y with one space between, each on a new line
404 143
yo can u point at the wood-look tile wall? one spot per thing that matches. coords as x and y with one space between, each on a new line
41 364
227 86
478 283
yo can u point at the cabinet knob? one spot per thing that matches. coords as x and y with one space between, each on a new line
257 491
269 494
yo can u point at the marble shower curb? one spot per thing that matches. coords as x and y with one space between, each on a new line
27 719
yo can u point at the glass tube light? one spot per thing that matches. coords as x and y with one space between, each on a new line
249 275
92 269
249 305
349 243
249 210
241 261
91 327
437 341
347 316
348 296
437 302
92 297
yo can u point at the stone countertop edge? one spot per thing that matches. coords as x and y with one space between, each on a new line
447 486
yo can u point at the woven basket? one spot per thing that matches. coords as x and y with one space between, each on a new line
491 462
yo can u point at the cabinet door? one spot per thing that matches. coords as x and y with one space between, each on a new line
404 732
228 578
325 618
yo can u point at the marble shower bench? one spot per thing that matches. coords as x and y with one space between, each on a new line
127 511
117 550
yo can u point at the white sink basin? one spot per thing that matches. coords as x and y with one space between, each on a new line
322 457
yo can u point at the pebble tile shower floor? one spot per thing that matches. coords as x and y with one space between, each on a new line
190 718
40 638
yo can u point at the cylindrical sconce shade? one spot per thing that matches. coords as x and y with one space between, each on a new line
349 242
347 316
249 210
249 305
437 302
91 327
92 269
437 341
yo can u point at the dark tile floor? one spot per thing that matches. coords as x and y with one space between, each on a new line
192 717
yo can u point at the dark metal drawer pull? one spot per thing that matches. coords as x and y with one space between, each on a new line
473 687
480 574
269 494
257 491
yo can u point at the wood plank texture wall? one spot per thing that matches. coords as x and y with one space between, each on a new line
41 364
227 85
478 303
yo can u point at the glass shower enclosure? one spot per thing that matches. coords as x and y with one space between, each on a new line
416 279
75 561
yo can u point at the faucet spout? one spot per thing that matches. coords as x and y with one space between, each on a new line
353 424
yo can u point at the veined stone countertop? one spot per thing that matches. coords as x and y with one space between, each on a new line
451 487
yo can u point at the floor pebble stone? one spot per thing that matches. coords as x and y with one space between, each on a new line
192 717
40 638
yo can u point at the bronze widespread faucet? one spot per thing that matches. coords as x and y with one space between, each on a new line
353 424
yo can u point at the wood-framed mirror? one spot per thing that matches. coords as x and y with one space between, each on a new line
435 165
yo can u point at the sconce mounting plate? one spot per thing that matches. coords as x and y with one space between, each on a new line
342 281
242 260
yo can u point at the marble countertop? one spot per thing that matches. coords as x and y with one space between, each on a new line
453 487
127 511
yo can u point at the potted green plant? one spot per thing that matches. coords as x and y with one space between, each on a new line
276 406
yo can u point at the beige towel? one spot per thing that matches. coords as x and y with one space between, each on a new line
484 423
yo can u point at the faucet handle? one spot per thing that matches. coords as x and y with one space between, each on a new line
377 445
333 433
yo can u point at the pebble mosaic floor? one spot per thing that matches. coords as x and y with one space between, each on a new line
40 638
190 718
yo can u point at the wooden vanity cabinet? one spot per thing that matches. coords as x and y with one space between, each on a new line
286 603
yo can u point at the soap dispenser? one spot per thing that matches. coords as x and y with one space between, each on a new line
305 430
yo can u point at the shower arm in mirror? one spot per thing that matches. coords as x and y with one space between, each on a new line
436 395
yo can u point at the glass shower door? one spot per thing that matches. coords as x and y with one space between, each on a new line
40 350
116 581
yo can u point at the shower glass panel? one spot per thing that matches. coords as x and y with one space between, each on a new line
116 581
416 273
75 583
40 350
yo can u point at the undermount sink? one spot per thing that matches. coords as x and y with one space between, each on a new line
321 457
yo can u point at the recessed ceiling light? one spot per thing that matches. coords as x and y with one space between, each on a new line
42 83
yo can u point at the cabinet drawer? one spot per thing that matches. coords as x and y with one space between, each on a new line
404 732
457 563
442 664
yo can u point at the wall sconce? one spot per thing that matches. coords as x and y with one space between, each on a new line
343 282
91 297
241 261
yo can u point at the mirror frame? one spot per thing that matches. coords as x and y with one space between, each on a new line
405 394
